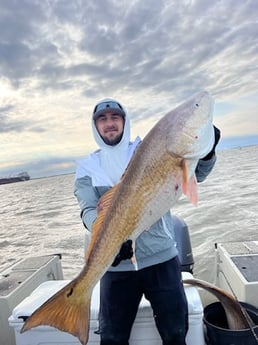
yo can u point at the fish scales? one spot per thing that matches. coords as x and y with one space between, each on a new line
161 168
137 210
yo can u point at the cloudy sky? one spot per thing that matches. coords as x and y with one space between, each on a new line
58 57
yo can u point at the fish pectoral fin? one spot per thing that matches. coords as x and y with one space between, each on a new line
189 186
65 311
192 193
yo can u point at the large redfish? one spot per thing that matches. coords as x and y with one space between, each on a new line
160 170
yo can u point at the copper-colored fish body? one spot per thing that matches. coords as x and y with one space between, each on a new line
162 167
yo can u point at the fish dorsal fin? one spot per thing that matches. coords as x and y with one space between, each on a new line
103 206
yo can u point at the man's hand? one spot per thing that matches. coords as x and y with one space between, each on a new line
126 252
216 140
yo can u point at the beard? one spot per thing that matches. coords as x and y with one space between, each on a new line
112 141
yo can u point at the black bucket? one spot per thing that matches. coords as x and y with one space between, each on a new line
217 332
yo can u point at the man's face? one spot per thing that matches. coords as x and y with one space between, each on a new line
110 127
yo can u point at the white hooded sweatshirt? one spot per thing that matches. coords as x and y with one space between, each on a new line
107 165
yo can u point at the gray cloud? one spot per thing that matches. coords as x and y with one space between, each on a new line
10 124
6 124
155 53
153 45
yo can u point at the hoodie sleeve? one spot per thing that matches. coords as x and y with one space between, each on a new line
88 198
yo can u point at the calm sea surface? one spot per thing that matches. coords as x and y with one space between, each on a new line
41 216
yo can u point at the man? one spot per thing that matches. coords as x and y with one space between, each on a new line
158 276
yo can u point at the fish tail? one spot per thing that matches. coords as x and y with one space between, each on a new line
66 311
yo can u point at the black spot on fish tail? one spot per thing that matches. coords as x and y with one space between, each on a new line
69 294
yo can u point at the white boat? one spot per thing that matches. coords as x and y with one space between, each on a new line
28 283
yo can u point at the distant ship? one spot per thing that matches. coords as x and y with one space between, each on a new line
23 176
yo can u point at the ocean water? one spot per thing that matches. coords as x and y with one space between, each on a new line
42 216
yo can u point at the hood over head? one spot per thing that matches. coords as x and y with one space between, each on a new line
112 105
113 159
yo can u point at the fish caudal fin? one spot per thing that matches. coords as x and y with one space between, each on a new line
189 186
67 311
